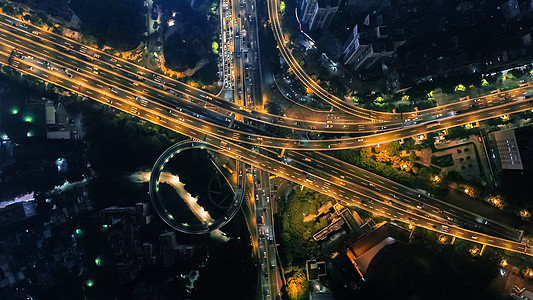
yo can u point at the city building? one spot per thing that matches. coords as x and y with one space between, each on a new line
17 212
371 42
510 9
131 252
331 44
168 246
39 251
315 269
508 150
521 294
317 14
352 264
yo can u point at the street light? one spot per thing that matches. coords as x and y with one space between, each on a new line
524 214
503 263
496 201
469 191
442 239
528 273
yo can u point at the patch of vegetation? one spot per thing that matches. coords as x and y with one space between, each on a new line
273 108
297 236
297 283
118 23
119 142
419 178
194 32
442 161
460 132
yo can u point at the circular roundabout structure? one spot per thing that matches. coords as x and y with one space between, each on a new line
166 189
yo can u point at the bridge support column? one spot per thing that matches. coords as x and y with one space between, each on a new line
482 249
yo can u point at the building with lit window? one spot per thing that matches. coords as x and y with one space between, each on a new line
371 42
317 14
508 150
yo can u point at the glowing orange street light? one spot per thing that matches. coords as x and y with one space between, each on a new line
503 263
469 191
496 201
528 273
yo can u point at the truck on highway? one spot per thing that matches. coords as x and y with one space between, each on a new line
423 192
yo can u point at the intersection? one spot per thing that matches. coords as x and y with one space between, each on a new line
275 144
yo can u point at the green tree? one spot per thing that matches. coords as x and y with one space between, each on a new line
394 148
297 284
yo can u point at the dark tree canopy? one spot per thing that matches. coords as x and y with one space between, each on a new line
118 24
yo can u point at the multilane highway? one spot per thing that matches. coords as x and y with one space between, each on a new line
120 72
321 181
202 128
215 123
389 118
210 124
72 52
